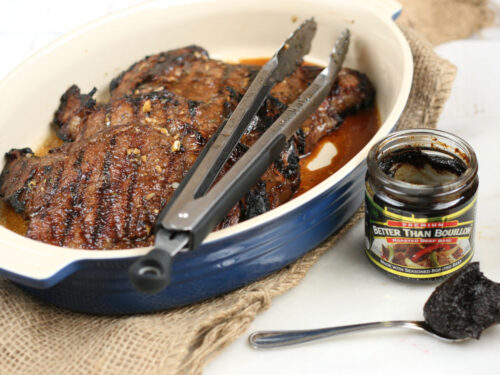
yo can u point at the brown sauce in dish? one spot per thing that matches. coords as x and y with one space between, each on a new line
254 61
354 133
51 142
262 60
10 219
349 139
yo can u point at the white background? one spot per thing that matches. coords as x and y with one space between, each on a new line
342 288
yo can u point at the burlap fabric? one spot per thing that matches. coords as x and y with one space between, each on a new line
441 20
36 338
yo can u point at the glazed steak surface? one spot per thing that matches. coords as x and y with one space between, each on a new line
212 89
105 189
122 160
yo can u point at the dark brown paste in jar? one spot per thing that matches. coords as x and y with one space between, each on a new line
422 166
421 191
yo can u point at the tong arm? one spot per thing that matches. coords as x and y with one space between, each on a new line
201 215
186 222
205 170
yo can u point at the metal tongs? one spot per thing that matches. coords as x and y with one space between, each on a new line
197 206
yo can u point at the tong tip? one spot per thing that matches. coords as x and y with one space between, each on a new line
295 48
341 46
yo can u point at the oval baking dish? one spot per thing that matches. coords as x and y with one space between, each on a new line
97 281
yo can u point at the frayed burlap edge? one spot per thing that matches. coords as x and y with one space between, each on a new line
36 338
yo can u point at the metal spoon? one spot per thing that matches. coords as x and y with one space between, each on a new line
274 339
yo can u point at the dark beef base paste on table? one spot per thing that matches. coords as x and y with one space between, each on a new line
464 305
121 161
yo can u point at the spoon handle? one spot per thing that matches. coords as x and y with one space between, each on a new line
274 339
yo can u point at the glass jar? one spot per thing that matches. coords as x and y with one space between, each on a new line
420 232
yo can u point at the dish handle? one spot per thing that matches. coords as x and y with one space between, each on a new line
39 265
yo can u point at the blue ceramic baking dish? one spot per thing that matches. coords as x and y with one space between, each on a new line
97 281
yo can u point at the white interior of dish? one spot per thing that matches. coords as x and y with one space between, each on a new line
229 30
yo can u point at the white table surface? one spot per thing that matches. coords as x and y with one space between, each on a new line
342 288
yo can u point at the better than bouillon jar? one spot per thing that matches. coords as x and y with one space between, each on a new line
421 191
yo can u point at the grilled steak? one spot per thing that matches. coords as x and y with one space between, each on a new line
212 87
122 160
105 190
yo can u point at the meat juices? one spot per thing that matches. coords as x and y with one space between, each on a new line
122 160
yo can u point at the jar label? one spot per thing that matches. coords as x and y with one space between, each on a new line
419 247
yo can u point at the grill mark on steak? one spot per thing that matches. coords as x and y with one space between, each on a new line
225 77
130 203
95 191
53 189
103 189
192 106
74 190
